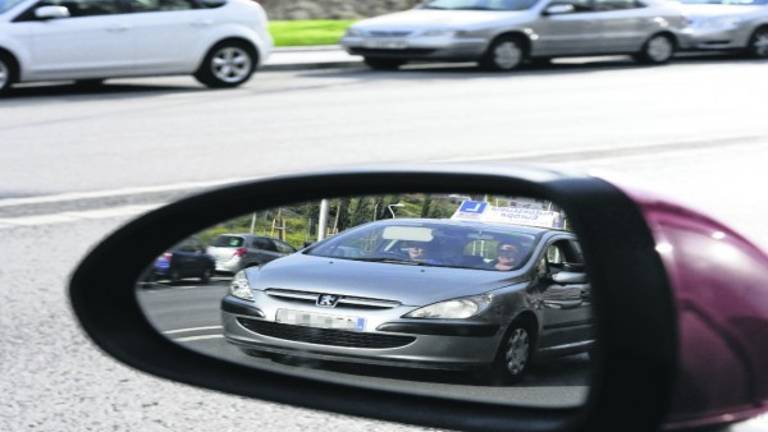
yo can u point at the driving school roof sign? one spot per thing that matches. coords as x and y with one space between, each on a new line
480 211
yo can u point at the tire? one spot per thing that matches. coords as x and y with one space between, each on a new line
657 50
376 63
514 357
758 44
6 74
506 53
174 277
206 276
228 64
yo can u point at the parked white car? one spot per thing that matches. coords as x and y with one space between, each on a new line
220 42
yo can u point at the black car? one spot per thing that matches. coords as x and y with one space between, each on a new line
185 260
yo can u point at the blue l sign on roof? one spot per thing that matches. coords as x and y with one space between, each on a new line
473 207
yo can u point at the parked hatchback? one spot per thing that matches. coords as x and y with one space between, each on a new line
220 42
234 252
502 34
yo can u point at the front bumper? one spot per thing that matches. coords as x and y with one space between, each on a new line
445 345
714 39
417 48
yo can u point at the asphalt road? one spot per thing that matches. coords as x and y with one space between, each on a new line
189 314
695 129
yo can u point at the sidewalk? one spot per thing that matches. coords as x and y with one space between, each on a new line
314 57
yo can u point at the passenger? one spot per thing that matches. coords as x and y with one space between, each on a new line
507 257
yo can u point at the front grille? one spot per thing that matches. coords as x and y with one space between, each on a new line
383 33
325 336
308 297
383 52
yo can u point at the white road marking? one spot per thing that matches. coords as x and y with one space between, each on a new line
76 196
198 338
75 216
192 329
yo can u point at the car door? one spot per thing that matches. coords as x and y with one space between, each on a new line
622 25
94 42
187 257
566 307
169 35
573 33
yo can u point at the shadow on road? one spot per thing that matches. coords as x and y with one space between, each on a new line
107 91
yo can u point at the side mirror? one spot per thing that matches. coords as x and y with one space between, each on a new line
559 9
51 12
569 278
671 336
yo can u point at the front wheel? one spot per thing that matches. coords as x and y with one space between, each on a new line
206 276
383 63
228 64
5 75
514 356
504 54
758 44
657 50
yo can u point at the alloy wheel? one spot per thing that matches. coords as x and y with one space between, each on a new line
231 64
518 350
507 55
5 74
760 44
660 49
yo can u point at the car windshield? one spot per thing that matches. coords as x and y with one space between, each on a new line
8 4
492 5
728 2
434 245
228 241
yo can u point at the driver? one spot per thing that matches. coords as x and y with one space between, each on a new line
420 252
507 257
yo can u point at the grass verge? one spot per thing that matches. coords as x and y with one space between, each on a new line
308 32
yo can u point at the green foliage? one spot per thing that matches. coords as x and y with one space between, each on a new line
308 32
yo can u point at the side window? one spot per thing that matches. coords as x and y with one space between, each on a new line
264 244
82 8
161 5
578 5
611 5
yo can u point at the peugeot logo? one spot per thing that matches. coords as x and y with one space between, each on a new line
327 300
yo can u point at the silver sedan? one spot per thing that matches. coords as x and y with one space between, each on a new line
430 293
727 25
501 34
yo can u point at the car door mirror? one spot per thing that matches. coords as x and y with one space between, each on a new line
431 318
559 9
568 278
51 12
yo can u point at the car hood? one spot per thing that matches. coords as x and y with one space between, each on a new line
428 19
409 284
715 10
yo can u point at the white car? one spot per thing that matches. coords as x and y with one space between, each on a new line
220 42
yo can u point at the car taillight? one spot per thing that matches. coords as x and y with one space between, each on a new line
167 256
240 251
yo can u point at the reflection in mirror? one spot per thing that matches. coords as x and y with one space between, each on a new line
480 298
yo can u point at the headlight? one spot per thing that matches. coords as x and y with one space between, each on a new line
240 287
353 32
439 33
454 309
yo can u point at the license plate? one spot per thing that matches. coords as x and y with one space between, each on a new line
385 43
311 319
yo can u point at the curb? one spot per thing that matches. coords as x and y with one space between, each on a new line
310 66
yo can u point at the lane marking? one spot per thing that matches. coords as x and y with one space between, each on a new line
192 329
143 190
75 216
198 338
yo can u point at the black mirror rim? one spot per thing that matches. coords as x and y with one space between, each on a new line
639 343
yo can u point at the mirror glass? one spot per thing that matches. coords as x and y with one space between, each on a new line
474 297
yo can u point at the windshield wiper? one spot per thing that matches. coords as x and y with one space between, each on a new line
389 260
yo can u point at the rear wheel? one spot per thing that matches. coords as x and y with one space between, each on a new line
206 276
505 54
758 44
174 276
228 64
5 74
657 50
383 63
